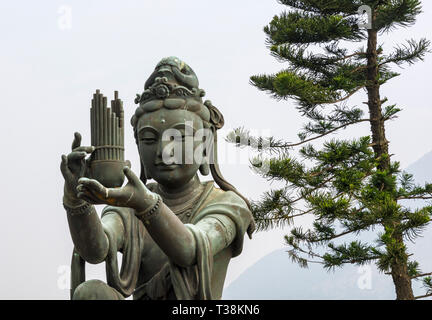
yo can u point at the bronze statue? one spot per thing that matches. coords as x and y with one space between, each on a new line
177 234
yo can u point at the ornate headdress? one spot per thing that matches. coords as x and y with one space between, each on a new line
174 85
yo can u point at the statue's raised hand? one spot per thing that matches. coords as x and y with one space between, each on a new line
74 166
133 195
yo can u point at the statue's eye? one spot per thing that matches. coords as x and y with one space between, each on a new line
148 141
148 137
179 135
177 138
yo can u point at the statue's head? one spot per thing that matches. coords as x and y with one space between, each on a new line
174 129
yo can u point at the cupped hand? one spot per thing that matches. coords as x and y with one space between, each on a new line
133 195
74 166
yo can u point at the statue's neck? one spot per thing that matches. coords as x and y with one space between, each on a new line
182 198
183 191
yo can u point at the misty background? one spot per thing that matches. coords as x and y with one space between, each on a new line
55 54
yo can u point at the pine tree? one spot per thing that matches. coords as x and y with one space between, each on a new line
349 186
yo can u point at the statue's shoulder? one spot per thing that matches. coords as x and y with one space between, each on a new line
232 205
218 197
219 201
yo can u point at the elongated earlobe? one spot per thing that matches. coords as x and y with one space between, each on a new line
144 175
147 174
204 169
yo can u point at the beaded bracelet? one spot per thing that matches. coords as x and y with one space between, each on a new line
80 210
149 213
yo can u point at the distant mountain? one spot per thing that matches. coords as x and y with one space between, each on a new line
276 277
422 169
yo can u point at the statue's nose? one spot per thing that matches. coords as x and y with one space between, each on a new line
164 151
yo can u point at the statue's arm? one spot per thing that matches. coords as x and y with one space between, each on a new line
86 228
165 228
220 231
88 235
178 242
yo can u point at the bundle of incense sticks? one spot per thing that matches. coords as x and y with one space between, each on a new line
107 128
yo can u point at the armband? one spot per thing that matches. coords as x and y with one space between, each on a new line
150 212
82 209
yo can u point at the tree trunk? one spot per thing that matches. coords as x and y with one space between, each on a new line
379 141
399 269
401 279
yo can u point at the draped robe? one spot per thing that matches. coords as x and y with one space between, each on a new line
225 210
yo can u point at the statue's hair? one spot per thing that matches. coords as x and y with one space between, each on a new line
209 114
212 119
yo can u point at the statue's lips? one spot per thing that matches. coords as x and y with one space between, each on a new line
163 166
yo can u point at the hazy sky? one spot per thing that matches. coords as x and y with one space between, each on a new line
50 66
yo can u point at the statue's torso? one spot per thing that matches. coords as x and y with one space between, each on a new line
154 259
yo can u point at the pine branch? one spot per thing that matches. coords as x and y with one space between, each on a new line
413 223
389 113
410 191
329 7
303 28
423 296
317 64
421 275
242 138
427 283
303 263
326 239
266 223
286 146
349 95
408 53
291 84
295 257
396 13
413 269
355 253
414 197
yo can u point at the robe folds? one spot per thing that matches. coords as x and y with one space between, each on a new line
187 283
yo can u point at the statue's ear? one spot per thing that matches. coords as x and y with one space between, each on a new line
216 117
204 169
144 175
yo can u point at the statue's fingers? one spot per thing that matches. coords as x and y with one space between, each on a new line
95 186
67 174
76 162
96 198
116 193
76 156
82 188
112 196
88 193
88 198
63 165
77 140
87 149
131 176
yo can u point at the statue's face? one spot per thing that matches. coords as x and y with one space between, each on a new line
166 145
